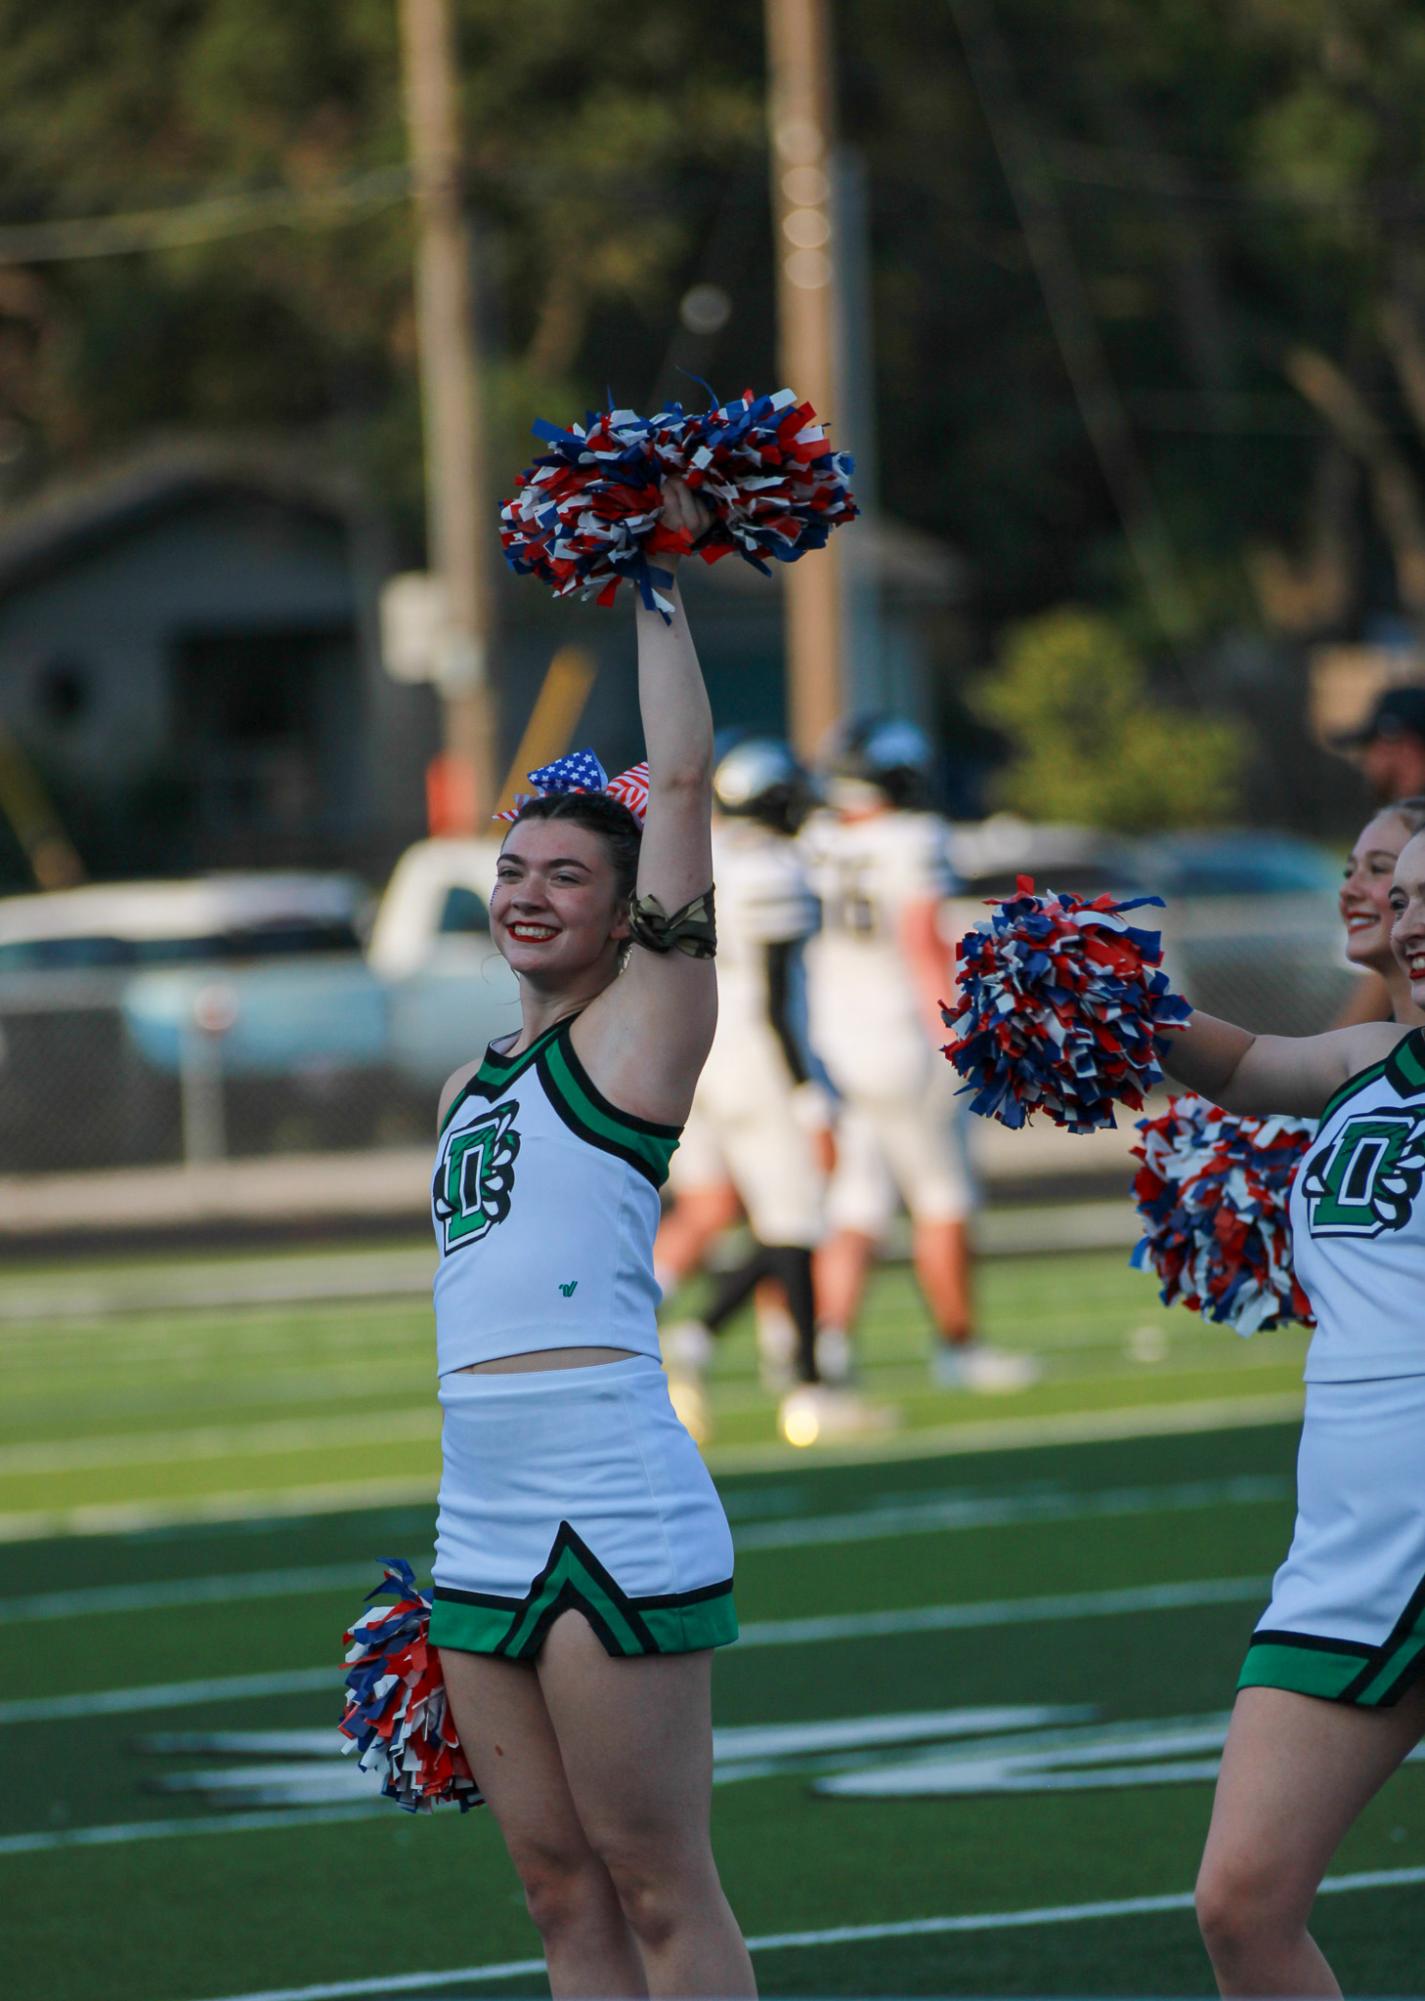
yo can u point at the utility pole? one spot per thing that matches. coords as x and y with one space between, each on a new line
800 117
459 530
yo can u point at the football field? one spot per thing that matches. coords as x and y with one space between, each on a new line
965 1744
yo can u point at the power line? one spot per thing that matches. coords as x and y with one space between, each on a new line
1071 317
205 221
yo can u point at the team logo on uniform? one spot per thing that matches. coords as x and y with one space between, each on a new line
1366 1177
475 1176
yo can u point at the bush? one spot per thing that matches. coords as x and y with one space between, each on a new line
1089 745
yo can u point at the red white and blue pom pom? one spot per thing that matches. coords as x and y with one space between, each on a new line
397 1714
586 515
1212 1193
1063 1009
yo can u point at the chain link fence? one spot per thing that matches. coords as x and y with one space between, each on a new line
87 1082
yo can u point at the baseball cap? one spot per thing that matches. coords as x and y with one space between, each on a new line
1399 712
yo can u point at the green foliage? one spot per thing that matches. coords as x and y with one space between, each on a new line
1088 745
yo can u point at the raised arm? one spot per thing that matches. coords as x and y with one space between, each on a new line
645 1039
1263 1074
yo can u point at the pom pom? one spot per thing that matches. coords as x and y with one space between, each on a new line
397 1715
1212 1193
1063 1008
587 512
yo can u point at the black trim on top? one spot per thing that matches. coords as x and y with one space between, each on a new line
567 1537
509 1068
671 1601
1404 1085
629 1155
1314 1643
611 1111
487 1600
1403 1629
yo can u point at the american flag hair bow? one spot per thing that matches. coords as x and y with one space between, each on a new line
581 771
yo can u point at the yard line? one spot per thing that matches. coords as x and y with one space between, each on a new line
153 1830
936 1516
1011 1434
998 1435
1000 1612
220 1441
975 1921
1066 1607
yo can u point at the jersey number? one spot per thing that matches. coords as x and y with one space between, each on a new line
475 1177
1366 1178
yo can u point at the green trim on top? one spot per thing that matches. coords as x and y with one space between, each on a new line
573 1579
1405 1065
496 1072
644 1145
1350 1088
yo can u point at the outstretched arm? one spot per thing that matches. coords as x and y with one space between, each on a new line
646 1037
1266 1074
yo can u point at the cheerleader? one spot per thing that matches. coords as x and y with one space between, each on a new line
1330 1698
583 1568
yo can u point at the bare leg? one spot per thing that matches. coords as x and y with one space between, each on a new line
1296 1771
510 1742
943 1264
842 1265
687 1229
635 1737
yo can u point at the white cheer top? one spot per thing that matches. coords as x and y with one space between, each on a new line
545 1204
1358 1224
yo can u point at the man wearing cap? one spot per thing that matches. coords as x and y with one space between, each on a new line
1391 744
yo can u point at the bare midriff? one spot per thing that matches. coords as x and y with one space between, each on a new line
545 1358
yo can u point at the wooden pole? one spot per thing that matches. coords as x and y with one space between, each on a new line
800 116
459 524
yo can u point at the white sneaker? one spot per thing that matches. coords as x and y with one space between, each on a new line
835 1363
970 1365
687 1347
819 1413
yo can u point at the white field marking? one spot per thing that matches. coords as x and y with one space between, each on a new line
258 1504
370 1274
1011 1434
220 1441
312 1771
401 1272
1004 1435
1067 1607
1000 1612
157 1830
937 1515
976 1921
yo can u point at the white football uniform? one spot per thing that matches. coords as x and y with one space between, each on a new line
743 1127
900 1127
1347 1615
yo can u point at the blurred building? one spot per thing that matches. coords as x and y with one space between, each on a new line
191 635
190 659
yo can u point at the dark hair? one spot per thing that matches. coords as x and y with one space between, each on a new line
1411 810
603 815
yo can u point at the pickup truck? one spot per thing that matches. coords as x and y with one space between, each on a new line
124 1006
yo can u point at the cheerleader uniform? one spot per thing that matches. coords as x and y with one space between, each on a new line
574 1487
1347 1615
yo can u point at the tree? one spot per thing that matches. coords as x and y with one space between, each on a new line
1089 746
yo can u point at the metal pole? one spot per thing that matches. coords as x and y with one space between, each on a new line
459 527
800 123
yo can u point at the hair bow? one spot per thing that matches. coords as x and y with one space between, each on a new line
581 771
